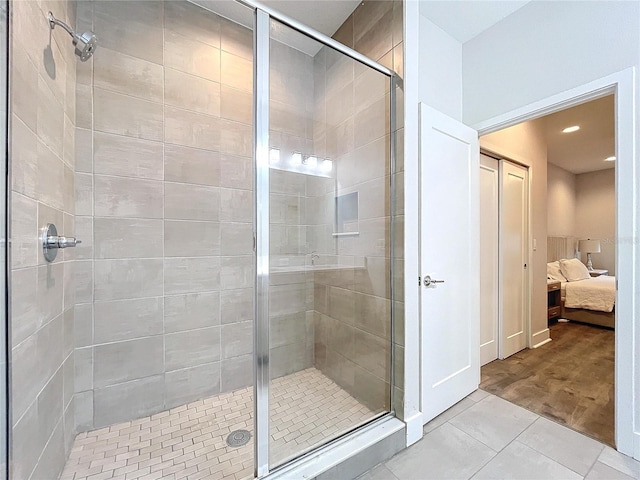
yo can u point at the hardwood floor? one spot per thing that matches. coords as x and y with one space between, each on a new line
568 380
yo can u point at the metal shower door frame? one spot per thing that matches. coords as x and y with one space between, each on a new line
261 241
261 102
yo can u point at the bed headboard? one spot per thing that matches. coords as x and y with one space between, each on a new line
560 247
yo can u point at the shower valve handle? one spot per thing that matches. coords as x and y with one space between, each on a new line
51 242
62 242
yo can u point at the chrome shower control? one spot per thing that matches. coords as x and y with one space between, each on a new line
51 242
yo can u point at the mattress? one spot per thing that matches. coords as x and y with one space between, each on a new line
596 293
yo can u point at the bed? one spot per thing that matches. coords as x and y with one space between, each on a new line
591 300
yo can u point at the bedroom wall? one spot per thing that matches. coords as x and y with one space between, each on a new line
561 202
595 214
525 144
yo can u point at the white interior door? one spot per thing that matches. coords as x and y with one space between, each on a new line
449 251
489 261
514 255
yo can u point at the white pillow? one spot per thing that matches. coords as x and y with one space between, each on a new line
554 273
574 270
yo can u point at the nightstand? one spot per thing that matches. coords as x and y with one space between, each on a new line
553 299
596 273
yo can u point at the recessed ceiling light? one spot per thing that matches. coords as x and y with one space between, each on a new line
610 159
574 128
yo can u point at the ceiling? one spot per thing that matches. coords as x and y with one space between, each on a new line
462 19
465 19
325 16
585 150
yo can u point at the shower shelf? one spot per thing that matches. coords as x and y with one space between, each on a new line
315 268
329 263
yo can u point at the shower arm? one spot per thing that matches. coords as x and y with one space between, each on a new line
53 21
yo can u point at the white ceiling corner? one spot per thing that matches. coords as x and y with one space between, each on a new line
325 16
465 19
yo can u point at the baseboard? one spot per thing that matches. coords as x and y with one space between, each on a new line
540 338
414 429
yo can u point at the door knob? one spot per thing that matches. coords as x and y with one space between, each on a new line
429 281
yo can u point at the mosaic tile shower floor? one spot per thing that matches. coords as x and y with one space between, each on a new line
189 441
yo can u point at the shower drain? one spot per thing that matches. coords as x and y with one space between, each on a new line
237 438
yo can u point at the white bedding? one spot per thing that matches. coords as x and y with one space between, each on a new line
596 293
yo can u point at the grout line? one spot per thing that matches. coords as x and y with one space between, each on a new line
596 461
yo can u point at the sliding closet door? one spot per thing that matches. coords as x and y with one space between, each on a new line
489 225
514 257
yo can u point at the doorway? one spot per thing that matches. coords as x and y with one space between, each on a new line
569 376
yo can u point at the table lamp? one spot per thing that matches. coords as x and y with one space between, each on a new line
589 246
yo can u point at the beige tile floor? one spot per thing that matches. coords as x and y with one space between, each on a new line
486 437
190 441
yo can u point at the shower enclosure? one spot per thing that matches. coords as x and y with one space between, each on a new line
229 174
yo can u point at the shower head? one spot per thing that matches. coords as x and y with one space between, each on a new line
85 44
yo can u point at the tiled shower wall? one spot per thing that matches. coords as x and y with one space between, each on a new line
159 150
290 294
353 306
164 200
42 165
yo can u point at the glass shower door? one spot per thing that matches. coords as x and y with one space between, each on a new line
329 243
4 18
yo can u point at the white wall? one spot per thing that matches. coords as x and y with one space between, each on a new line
595 215
432 75
440 69
545 49
584 206
561 202
525 144
411 88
